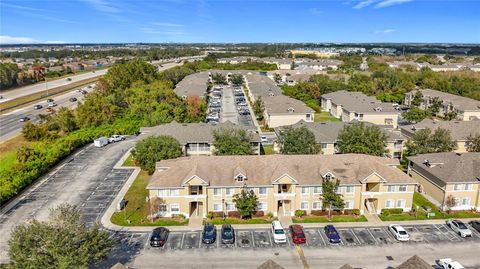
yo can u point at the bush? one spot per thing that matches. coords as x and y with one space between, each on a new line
391 211
300 213
209 215
234 214
259 214
319 212
215 214
355 212
270 215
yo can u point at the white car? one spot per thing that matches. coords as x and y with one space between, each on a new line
264 139
279 236
459 227
450 264
52 104
116 138
399 232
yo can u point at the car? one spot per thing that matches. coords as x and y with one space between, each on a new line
263 139
69 79
52 104
159 237
279 236
116 138
50 100
459 227
332 234
399 232
73 99
24 119
209 234
450 264
36 107
49 110
475 224
83 92
228 234
298 236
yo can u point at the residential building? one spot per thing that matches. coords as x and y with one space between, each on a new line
356 106
326 135
459 130
282 63
196 185
198 138
237 60
466 108
443 174
193 85
317 64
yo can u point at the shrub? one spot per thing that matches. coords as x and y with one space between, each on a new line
215 214
391 211
300 213
210 215
352 212
318 213
259 214
234 214
270 215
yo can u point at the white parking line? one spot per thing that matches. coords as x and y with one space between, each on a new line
323 240
374 239
148 240
253 239
183 237
358 240
424 238
389 234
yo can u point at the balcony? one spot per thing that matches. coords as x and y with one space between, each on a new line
284 195
195 198
371 194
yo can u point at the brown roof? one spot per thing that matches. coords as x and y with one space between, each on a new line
346 266
359 102
269 264
263 170
414 262
460 102
459 130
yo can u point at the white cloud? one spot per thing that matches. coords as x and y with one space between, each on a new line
364 3
103 6
387 3
385 31
316 11
5 39
166 24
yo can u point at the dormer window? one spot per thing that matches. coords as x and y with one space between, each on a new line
378 109
291 110
240 178
328 176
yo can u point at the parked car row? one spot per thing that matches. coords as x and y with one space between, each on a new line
241 102
214 105
103 141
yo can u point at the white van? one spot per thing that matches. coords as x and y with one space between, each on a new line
279 236
100 142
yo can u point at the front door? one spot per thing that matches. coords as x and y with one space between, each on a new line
193 209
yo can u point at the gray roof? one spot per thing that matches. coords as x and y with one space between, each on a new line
261 85
194 132
322 62
269 264
414 262
327 132
459 102
359 102
448 167
193 85
459 130
281 104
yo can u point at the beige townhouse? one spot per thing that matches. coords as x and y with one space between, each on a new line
196 185
448 173
356 106
198 138
459 130
466 108
326 135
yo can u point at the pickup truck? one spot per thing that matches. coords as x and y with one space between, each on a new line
450 264
116 138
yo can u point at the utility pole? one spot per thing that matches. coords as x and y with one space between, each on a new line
46 83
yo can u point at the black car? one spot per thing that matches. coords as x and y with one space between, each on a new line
159 237
209 234
37 107
73 99
228 234
475 224
24 119
50 100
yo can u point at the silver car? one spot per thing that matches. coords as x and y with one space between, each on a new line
459 227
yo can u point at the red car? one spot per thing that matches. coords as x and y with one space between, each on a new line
298 236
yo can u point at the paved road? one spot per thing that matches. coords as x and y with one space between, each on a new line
88 181
38 87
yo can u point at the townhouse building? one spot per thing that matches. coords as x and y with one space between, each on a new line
196 185
443 174
198 138
466 108
356 106
317 64
326 135
459 130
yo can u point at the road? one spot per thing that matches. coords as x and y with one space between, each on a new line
38 87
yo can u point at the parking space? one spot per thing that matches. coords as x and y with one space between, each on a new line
191 240
228 103
348 237
244 239
314 238
262 238
382 235
364 236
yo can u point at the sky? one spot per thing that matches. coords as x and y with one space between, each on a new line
235 21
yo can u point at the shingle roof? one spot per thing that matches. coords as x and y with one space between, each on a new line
460 102
194 132
281 104
193 85
414 262
359 102
346 266
459 130
262 170
449 167
269 264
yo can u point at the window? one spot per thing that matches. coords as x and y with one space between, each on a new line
457 201
262 190
262 206
466 201
174 208
162 208
468 187
304 205
163 193
328 176
317 205
217 207
338 189
349 204
229 191
217 191
308 117
175 192
402 188
456 187
401 203
391 188
349 189
389 203
230 207
305 190
317 189
240 178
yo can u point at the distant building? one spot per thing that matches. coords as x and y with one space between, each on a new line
282 63
317 64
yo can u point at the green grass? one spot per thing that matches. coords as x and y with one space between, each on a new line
324 117
267 150
129 161
220 221
324 219
8 160
136 210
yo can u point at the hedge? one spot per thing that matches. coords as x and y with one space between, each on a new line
391 211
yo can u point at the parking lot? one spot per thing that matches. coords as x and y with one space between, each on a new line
227 103
316 238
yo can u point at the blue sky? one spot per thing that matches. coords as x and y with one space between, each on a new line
105 21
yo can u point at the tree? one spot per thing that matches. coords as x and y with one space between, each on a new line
231 141
298 141
361 138
246 202
436 104
415 114
450 202
330 198
236 79
277 78
451 115
123 76
424 141
61 242
417 98
65 120
219 78
473 143
152 149
154 206
258 108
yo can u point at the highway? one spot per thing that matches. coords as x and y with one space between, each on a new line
10 124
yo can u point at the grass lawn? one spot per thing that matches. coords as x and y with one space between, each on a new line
220 221
129 161
324 116
136 210
8 151
267 150
324 219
